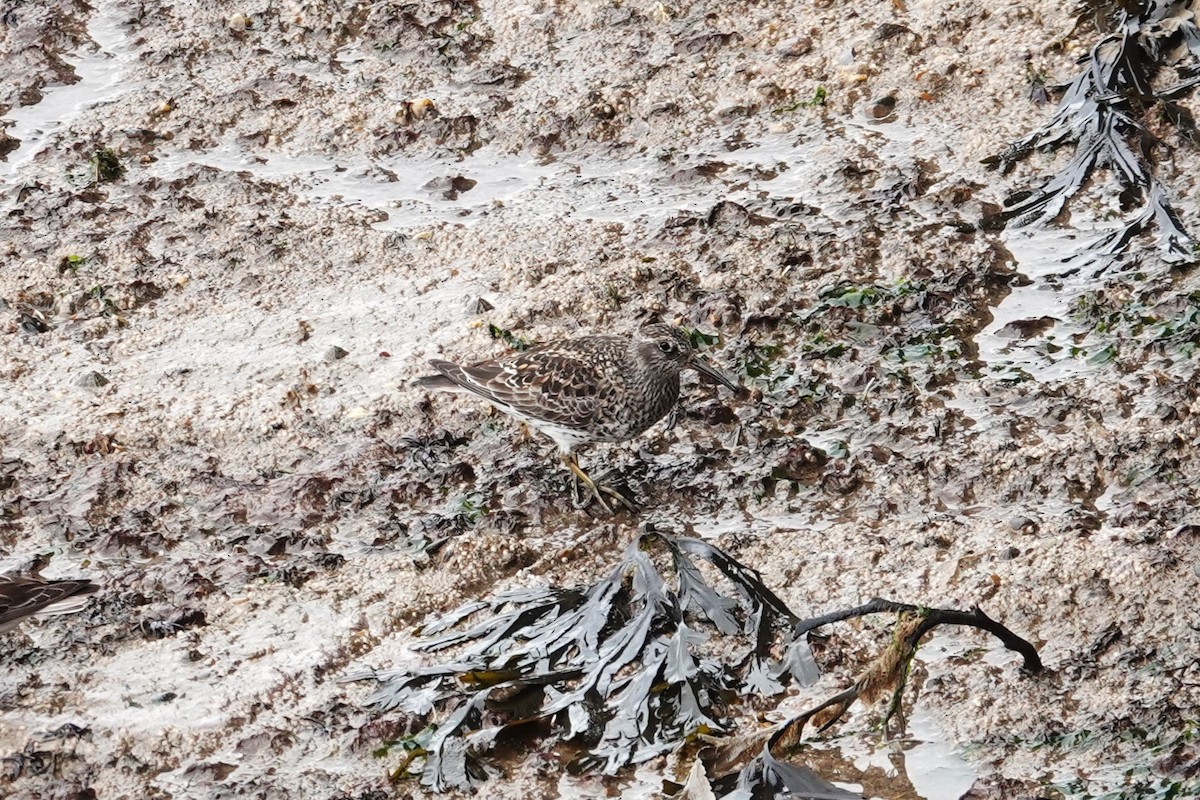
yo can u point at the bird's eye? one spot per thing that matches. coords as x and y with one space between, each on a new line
666 347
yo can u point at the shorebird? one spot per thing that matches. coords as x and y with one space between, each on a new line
25 597
601 388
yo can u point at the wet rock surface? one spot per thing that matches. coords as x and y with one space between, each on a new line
206 359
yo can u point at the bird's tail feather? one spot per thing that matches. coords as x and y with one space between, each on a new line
450 376
436 382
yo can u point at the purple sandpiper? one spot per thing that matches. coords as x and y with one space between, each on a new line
601 388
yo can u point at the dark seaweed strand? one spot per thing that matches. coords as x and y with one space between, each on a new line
613 665
1097 112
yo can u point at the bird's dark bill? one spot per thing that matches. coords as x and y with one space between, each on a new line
714 374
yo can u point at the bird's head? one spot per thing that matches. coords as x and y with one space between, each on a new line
666 346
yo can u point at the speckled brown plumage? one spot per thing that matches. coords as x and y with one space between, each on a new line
24 597
602 388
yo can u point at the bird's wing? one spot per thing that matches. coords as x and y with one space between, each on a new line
22 597
554 385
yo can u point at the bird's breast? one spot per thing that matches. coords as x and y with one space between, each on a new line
635 405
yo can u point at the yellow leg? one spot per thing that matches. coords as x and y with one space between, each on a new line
598 490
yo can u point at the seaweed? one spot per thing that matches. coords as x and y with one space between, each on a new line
508 337
620 666
766 776
1101 112
105 166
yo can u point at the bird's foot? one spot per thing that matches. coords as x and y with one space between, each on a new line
584 495
586 491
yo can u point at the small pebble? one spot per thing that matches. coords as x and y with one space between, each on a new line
883 108
795 48
421 107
